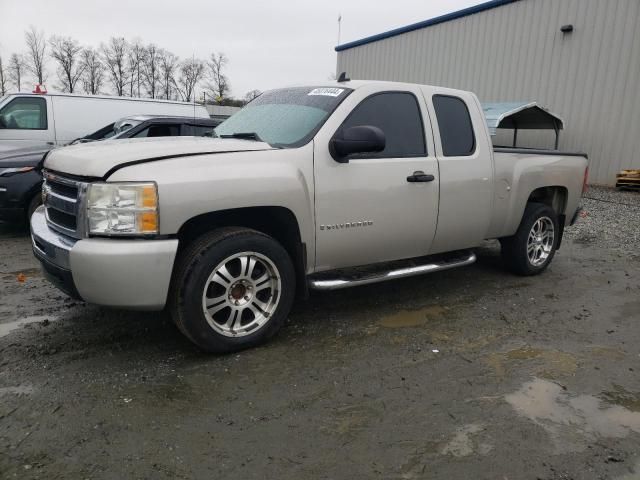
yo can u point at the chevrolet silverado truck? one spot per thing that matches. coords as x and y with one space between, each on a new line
311 187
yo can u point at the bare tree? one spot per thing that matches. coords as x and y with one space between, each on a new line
168 67
115 55
191 72
66 52
251 94
36 50
219 84
151 69
93 74
135 58
4 73
16 70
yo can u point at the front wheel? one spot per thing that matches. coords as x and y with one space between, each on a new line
233 289
531 249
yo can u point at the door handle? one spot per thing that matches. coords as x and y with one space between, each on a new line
420 176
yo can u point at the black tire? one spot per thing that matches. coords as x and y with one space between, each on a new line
35 202
514 249
192 273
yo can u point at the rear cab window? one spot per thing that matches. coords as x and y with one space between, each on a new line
24 113
397 114
455 126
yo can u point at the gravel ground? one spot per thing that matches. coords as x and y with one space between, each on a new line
468 373
611 219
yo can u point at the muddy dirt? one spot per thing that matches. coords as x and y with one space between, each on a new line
469 373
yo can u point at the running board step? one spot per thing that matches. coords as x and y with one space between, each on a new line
373 274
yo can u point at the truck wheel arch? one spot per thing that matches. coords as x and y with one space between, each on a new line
555 197
278 222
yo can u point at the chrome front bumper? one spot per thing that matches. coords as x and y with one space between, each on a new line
112 272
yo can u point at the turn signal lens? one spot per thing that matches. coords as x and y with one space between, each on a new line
148 222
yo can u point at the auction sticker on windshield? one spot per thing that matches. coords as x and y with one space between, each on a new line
327 91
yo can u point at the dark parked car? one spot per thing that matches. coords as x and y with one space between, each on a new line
20 178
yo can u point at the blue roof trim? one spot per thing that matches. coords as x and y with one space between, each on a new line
426 23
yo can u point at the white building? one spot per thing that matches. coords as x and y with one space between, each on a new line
579 58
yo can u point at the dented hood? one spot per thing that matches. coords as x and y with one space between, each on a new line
100 159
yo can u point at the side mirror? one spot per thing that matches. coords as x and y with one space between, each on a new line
361 139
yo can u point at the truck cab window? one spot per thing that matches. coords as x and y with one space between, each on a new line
397 114
202 131
159 131
24 113
454 123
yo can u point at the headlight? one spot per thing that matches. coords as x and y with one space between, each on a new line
123 208
7 172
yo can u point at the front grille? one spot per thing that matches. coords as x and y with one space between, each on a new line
62 199
69 191
62 219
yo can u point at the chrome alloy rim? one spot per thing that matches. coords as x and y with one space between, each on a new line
540 241
241 294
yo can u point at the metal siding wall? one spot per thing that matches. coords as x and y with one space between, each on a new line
590 77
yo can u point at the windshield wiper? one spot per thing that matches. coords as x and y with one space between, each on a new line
244 136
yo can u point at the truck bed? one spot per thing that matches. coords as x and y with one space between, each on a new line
538 151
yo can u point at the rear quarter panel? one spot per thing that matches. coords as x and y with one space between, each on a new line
517 175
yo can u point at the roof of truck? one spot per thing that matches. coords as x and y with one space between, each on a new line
355 84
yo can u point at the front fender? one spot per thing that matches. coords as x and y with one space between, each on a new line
192 186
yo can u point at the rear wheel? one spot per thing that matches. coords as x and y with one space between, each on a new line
233 289
531 249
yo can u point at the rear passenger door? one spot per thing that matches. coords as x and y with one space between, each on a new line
466 169
369 210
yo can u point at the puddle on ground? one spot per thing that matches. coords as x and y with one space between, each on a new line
19 390
610 353
572 421
350 420
622 397
413 318
463 444
551 363
7 328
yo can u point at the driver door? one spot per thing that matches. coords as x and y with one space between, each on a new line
369 210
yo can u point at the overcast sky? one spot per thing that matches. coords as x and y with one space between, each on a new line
269 43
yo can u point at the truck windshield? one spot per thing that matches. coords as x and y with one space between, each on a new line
287 117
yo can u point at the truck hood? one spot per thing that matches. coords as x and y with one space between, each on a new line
100 159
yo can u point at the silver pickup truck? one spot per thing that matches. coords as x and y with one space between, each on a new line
322 187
